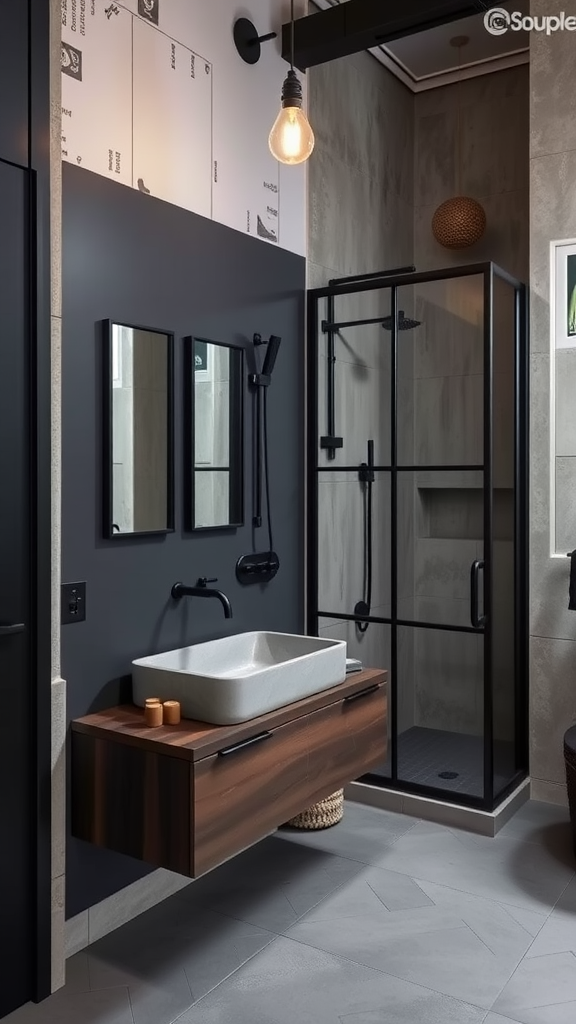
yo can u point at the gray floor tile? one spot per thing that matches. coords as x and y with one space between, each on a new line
559 1013
534 819
524 876
366 836
495 1018
144 950
273 885
216 948
553 840
396 891
158 992
558 935
157 1003
432 949
530 920
288 983
77 974
507 931
380 920
353 901
28 1014
179 952
539 982
108 1007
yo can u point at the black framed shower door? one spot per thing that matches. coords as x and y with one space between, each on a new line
446 481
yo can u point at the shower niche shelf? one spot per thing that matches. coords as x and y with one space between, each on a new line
457 513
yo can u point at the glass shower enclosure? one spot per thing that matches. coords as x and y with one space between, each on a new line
417 435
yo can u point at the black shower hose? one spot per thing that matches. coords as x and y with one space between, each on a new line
363 626
266 472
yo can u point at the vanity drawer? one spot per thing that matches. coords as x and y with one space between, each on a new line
246 790
346 740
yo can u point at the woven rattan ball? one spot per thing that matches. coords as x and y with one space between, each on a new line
459 222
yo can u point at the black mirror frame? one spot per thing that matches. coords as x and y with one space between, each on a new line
107 471
236 438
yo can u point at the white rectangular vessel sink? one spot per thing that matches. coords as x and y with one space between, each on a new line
240 677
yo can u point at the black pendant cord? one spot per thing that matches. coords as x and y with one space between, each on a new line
292 35
266 468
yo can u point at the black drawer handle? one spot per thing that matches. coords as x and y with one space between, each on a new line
244 743
362 693
10 630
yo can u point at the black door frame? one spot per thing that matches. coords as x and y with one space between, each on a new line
392 281
41 483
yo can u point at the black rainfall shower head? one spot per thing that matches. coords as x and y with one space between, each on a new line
271 353
404 322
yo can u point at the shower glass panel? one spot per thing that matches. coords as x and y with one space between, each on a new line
417 433
508 668
357 570
441 744
440 537
441 417
354 382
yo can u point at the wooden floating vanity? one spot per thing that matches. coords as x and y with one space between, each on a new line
190 796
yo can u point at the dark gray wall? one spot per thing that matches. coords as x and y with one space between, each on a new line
138 260
14 81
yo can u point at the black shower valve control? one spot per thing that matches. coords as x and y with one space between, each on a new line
257 568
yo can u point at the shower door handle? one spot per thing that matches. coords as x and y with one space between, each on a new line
478 621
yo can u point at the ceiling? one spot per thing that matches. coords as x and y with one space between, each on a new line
426 60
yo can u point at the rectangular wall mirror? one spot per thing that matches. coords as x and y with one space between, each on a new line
214 453
138 431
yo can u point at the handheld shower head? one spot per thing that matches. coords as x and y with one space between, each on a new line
271 353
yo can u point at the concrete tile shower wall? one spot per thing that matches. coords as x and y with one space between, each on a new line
471 138
360 220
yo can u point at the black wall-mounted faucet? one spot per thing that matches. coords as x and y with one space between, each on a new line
201 590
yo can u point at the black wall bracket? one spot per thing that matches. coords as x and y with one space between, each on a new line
331 443
248 42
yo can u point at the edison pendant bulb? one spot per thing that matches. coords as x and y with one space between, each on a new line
291 140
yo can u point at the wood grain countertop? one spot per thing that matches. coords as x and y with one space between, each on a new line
192 740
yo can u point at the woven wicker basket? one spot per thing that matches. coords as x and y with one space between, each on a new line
570 760
324 814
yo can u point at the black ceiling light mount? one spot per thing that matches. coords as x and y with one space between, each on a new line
359 25
248 42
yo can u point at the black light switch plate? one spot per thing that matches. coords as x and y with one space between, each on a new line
72 602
